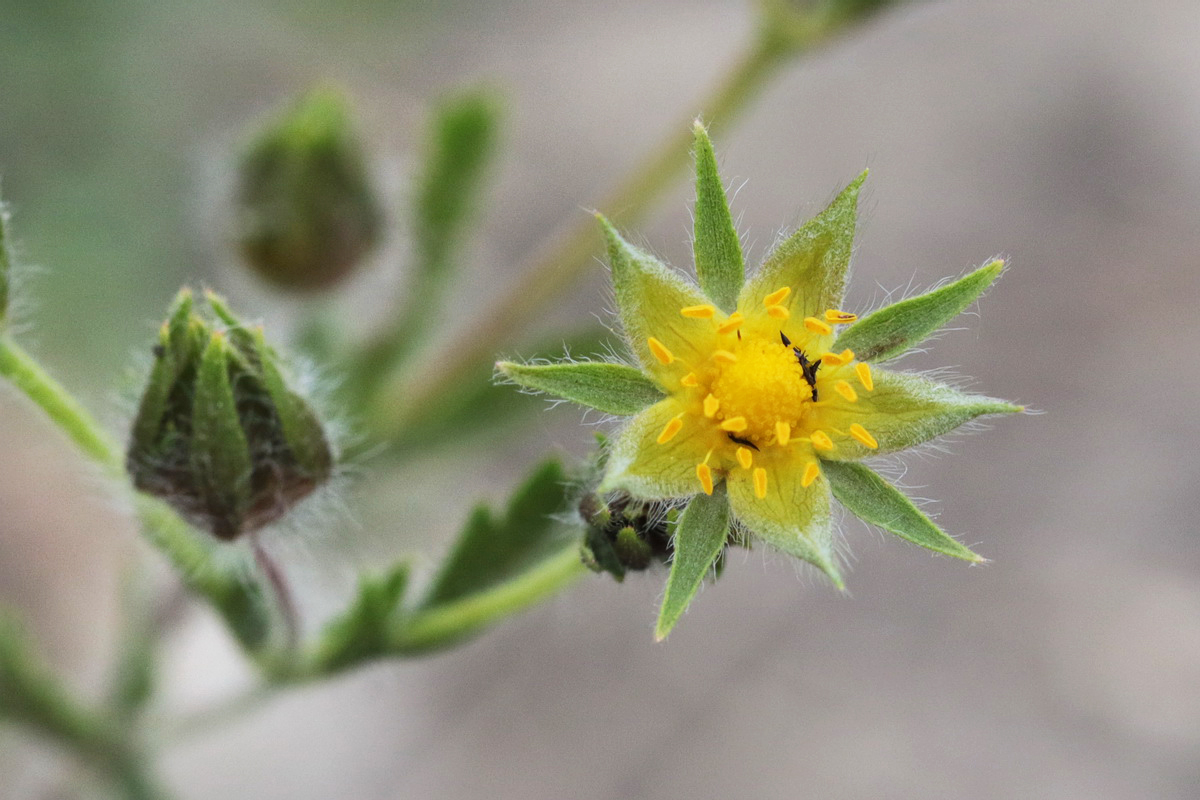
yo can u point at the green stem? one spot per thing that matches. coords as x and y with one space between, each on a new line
559 267
443 625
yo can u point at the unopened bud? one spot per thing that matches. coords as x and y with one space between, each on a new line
625 534
219 434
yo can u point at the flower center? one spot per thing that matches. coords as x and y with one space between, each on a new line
764 386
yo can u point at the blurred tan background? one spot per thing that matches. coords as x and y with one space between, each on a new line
1064 135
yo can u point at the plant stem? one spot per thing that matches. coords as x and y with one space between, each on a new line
443 625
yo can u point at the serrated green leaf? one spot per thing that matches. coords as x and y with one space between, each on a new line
872 499
717 249
363 631
700 537
813 261
494 549
611 388
896 329
220 455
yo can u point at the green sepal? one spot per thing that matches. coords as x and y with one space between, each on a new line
365 630
611 388
813 261
700 537
896 329
5 266
717 249
872 499
493 549
302 429
220 455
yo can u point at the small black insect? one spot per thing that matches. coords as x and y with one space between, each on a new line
743 442
159 351
809 368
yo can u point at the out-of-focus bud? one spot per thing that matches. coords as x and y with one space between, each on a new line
307 213
219 434
625 534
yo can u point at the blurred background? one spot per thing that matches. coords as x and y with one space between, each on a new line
1063 135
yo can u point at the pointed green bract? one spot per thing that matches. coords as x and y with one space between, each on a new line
813 261
301 428
872 499
906 410
699 538
611 388
896 329
364 631
717 249
649 297
492 549
220 455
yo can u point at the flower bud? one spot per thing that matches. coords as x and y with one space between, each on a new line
219 434
307 214
624 534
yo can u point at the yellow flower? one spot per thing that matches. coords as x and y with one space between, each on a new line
758 397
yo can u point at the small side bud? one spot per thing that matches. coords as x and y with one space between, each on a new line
307 213
219 434
624 534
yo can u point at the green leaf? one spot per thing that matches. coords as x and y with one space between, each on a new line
699 539
494 549
813 261
874 500
220 454
892 331
906 410
364 631
612 388
718 252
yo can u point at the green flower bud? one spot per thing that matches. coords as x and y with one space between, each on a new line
219 434
307 214
625 534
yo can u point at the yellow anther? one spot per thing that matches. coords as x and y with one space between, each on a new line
711 404
690 380
863 371
835 317
698 312
705 476
724 357
745 457
811 473
820 440
846 390
670 429
732 324
860 433
778 312
832 360
817 326
760 483
847 355
776 297
660 351
783 432
734 424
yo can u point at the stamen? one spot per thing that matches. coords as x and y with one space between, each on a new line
783 432
811 473
734 424
705 476
670 429
835 317
820 440
732 324
832 360
724 357
745 457
660 351
711 404
698 312
817 326
690 380
760 483
778 312
863 371
860 433
847 355
846 390
776 297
